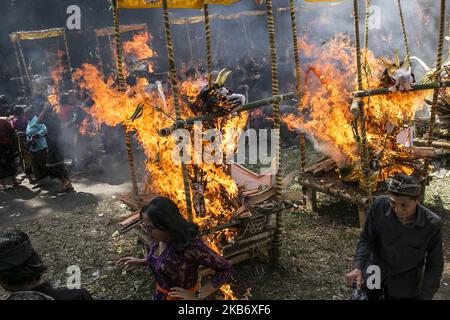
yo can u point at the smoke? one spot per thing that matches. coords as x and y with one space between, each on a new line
330 150
421 19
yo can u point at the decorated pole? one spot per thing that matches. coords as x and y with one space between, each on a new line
183 123
440 49
176 102
362 120
298 84
27 75
277 240
414 87
19 66
122 88
99 55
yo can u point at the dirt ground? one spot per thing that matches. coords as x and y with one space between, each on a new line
318 247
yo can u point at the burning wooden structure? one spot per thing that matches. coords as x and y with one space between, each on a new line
378 157
26 73
252 211
109 32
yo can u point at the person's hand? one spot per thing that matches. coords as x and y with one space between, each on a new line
130 261
182 294
354 276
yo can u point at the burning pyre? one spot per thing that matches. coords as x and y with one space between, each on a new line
113 107
330 121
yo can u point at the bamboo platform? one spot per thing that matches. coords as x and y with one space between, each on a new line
330 183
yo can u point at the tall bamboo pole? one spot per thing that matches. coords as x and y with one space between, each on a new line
298 83
176 98
19 65
439 53
277 241
188 36
402 22
364 148
99 55
122 88
27 74
67 52
208 39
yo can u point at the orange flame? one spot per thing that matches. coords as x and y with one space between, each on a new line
327 101
138 48
113 107
56 73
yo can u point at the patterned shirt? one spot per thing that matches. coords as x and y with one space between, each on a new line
172 269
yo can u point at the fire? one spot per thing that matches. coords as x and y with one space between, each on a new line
228 294
329 82
191 88
113 107
56 73
138 48
87 128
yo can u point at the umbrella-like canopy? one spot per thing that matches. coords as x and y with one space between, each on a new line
172 4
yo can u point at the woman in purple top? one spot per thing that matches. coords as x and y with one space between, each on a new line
176 254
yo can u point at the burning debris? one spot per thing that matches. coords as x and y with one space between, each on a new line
216 97
397 75
330 121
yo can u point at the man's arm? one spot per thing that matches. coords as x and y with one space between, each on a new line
366 241
434 266
364 247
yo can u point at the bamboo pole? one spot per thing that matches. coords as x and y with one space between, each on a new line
277 240
208 39
439 53
176 98
99 55
19 65
122 88
298 84
24 65
402 22
67 53
182 123
362 120
435 144
188 36
112 49
336 192
366 31
414 87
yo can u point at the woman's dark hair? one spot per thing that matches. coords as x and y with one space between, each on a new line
31 270
165 216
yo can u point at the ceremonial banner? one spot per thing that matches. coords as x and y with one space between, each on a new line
172 4
33 35
108 31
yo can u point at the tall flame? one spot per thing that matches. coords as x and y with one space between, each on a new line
139 49
329 82
56 74
113 107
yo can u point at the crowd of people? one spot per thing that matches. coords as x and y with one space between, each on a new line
39 140
401 237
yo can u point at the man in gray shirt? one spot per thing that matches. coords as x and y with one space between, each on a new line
404 239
